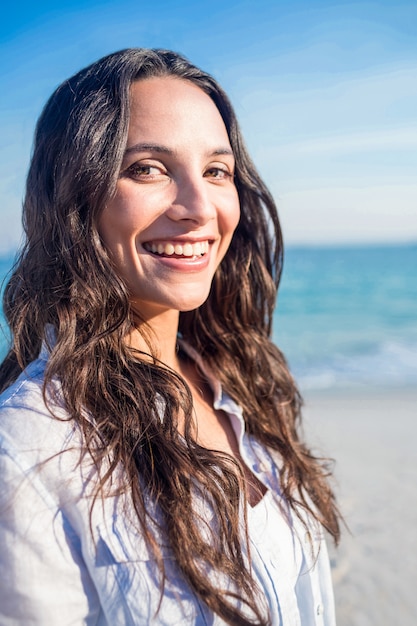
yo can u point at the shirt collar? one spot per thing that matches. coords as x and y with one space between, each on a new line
222 401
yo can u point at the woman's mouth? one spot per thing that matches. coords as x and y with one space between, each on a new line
173 248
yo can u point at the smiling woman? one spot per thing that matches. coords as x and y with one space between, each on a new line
152 466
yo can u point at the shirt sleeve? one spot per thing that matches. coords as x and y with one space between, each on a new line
43 578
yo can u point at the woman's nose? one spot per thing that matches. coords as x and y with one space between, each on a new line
193 201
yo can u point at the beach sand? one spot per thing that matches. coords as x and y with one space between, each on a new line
372 436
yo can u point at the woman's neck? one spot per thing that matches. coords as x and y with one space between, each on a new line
162 330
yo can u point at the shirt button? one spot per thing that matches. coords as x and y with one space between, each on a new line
263 466
320 609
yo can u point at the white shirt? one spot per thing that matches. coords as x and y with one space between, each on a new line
53 571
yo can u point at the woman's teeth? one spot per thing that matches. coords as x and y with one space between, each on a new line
179 249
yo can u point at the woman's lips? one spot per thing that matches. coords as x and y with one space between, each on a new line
183 249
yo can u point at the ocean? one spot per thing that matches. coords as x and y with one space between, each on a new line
346 317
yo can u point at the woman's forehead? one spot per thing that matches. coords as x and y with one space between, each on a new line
173 111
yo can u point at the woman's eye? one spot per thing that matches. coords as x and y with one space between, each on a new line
218 173
144 171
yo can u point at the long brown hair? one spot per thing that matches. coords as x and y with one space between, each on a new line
65 278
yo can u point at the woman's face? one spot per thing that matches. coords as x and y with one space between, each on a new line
176 205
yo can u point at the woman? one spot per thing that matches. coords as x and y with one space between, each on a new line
149 444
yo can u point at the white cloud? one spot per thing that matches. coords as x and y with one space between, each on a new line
273 112
385 213
392 139
339 152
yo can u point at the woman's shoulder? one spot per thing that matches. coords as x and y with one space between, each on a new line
27 422
41 448
28 383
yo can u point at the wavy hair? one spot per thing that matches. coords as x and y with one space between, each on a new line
65 278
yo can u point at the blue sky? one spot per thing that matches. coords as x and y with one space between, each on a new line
326 94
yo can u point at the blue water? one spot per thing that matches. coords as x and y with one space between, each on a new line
346 317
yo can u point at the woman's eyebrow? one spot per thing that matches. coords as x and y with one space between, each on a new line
149 147
221 151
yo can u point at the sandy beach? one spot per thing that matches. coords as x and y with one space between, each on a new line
372 437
